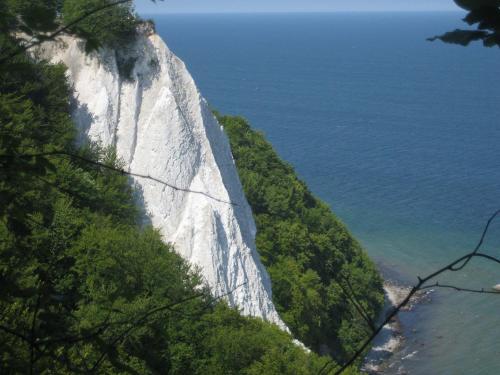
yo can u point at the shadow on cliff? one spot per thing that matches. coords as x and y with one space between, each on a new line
243 213
83 120
135 62
143 217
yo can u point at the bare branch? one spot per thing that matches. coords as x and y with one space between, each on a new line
459 289
486 256
454 266
480 243
118 170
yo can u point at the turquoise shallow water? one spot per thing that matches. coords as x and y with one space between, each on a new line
400 135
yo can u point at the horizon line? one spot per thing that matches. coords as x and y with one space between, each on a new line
300 12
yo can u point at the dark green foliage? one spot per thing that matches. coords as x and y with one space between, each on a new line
27 23
83 281
114 26
83 287
310 255
34 118
34 15
485 15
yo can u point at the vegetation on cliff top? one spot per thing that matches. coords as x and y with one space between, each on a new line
114 24
318 270
84 288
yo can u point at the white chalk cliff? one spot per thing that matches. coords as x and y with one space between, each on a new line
163 128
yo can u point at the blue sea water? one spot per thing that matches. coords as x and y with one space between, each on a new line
399 135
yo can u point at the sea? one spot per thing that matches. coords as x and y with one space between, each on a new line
401 136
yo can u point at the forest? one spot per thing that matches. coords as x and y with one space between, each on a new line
325 287
86 287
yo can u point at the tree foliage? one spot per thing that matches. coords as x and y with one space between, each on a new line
83 286
485 16
316 266
114 26
26 23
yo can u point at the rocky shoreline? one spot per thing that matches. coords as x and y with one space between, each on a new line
391 339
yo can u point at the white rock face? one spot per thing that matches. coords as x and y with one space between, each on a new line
163 128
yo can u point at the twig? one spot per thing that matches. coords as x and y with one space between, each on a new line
459 289
118 170
454 266
479 244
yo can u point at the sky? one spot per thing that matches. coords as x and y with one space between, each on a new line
250 6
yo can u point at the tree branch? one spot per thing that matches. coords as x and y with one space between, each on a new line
454 266
61 30
459 289
118 170
480 243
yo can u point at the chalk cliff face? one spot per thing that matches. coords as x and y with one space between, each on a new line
163 128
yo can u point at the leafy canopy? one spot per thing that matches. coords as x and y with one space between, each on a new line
84 287
25 23
316 266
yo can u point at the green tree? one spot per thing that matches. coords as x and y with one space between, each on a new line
26 23
84 287
316 267
114 26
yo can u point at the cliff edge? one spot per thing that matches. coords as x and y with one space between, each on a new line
143 101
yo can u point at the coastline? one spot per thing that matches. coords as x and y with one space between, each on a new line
387 353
